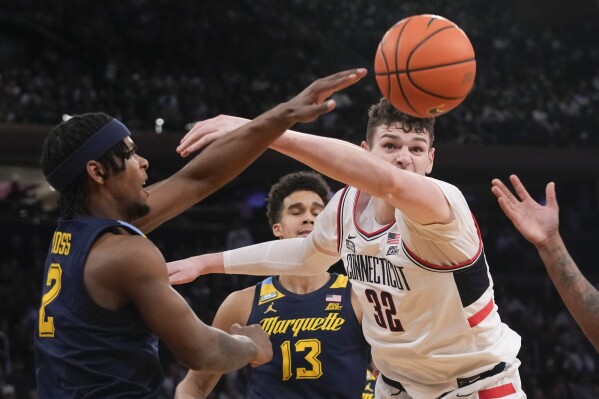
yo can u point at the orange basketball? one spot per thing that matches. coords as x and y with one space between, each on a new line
425 65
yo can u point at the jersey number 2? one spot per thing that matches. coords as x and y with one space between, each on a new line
46 323
384 309
313 345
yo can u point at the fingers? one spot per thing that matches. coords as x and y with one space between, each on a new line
507 201
550 196
501 191
344 77
176 279
180 277
508 208
177 274
341 80
325 87
235 328
205 132
194 136
312 102
520 189
192 146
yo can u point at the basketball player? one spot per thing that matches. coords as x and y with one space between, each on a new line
105 289
313 321
539 224
414 254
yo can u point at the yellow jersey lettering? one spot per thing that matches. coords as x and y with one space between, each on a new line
61 243
333 306
274 325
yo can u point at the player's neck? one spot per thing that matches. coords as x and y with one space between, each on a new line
304 284
383 212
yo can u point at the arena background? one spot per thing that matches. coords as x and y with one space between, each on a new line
531 112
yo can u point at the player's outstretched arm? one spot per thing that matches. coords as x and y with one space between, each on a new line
293 256
133 270
228 155
231 315
416 195
539 224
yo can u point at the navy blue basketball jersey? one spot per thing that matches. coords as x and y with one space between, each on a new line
83 350
318 347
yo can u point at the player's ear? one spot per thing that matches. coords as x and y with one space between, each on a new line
277 230
431 158
365 145
96 171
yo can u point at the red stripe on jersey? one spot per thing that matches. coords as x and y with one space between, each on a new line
469 262
340 217
497 392
476 318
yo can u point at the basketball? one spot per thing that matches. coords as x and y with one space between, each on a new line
425 65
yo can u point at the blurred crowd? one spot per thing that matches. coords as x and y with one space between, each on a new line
537 84
537 79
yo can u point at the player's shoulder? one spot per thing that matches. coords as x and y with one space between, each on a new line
236 308
124 250
447 187
240 296
131 244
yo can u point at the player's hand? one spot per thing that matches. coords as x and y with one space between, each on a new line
186 270
536 222
261 340
206 131
312 101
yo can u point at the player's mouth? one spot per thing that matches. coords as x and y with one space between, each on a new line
304 233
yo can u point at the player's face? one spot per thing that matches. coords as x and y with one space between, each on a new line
298 214
409 151
129 184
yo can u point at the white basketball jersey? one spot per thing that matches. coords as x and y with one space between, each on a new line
425 290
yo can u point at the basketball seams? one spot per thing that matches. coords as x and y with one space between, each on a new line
408 70
424 41
430 93
434 76
425 68
397 77
384 57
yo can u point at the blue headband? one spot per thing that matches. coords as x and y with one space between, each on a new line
97 145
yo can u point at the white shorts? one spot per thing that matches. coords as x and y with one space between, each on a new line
502 385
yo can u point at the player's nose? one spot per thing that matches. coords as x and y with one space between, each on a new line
308 218
402 157
143 162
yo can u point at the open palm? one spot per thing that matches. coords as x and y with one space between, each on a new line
536 222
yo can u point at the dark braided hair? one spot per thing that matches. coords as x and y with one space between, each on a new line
290 183
65 139
384 114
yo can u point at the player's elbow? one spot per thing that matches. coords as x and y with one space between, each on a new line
220 353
